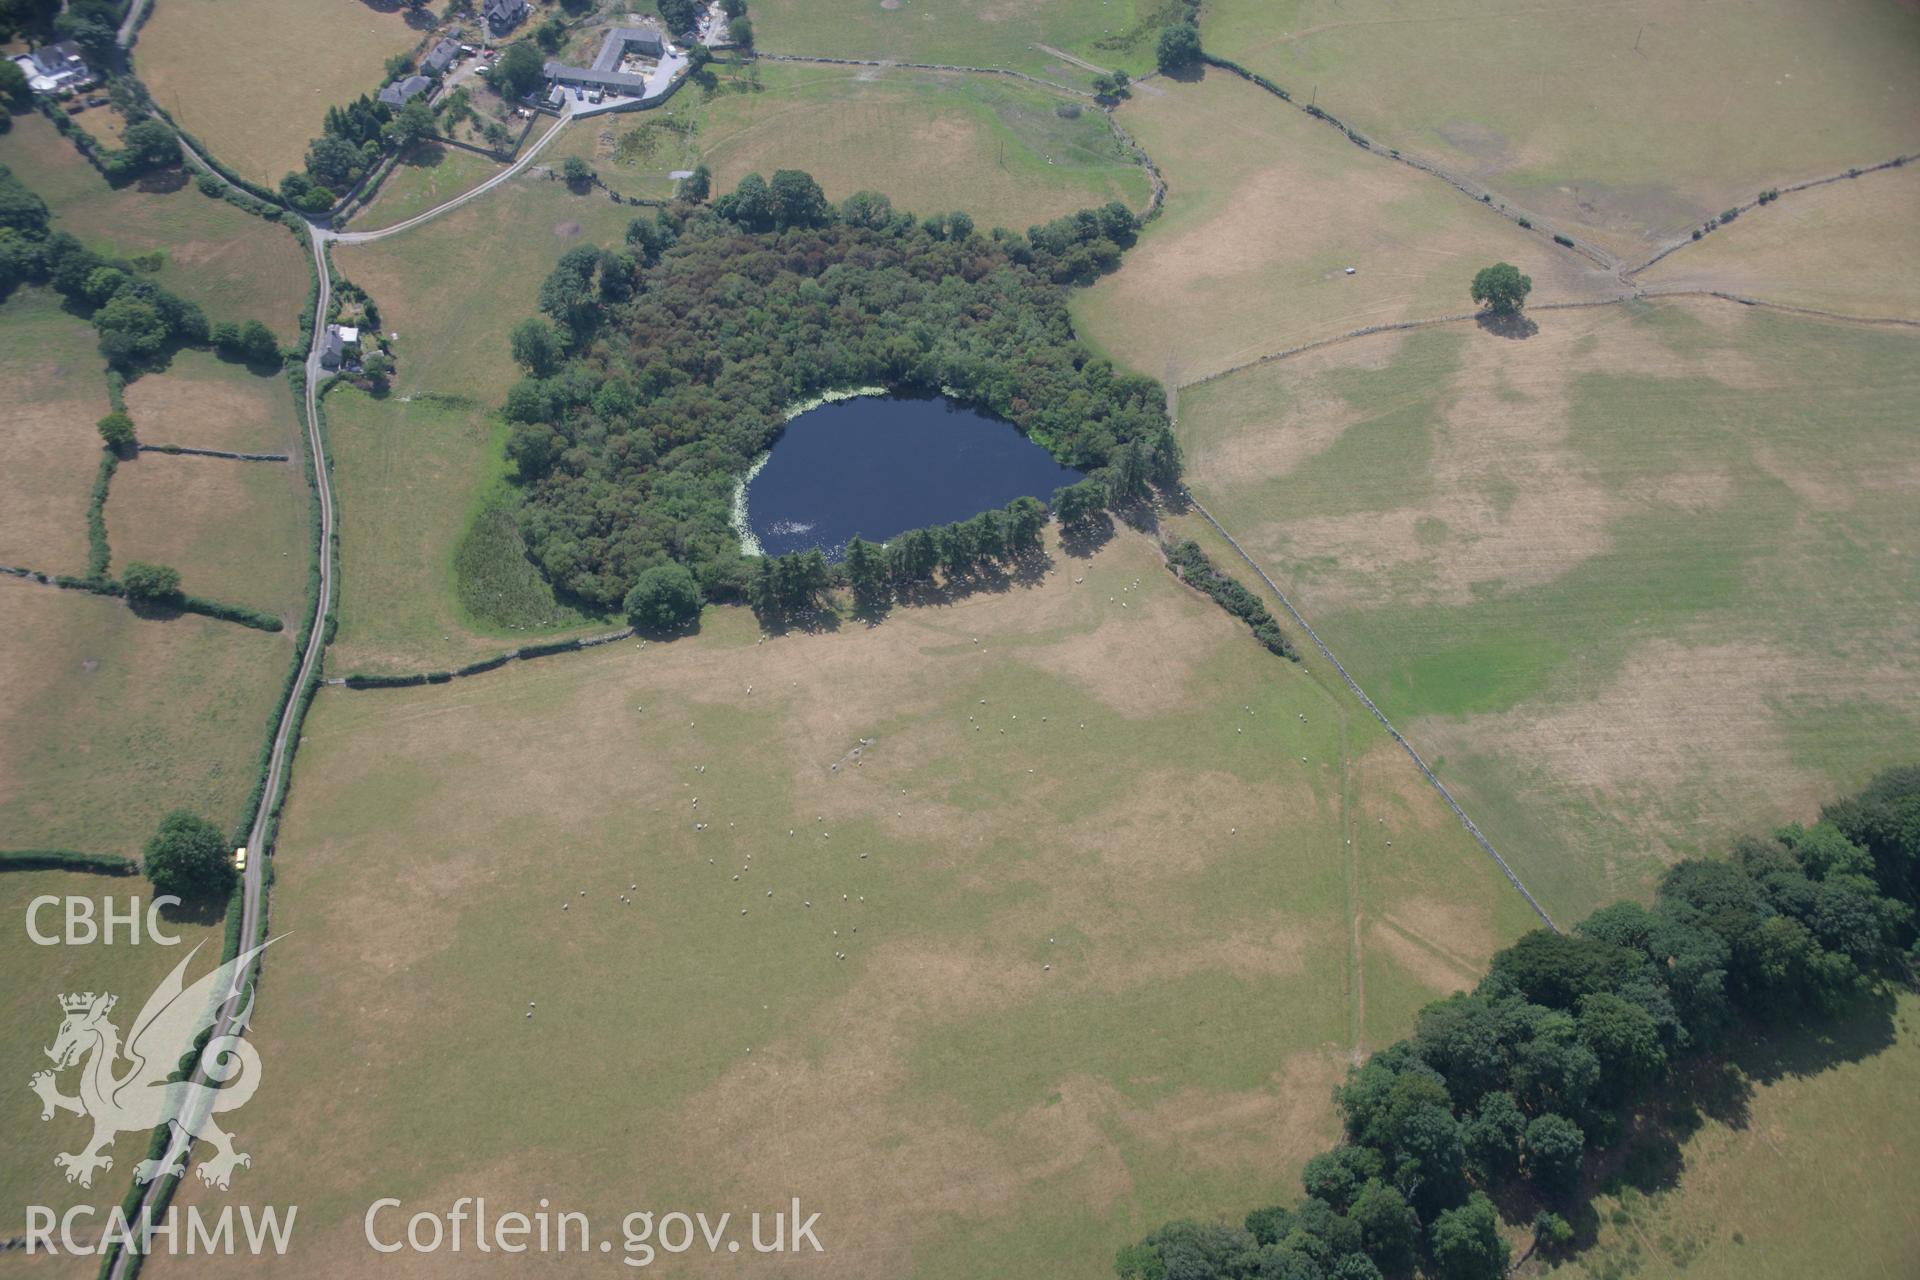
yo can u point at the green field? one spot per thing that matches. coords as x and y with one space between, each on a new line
995 148
1630 123
1265 210
415 474
36 977
236 266
430 176
1209 974
252 79
975 33
108 721
51 380
1639 581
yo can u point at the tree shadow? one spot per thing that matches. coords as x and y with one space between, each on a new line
1083 539
1507 324
426 155
1192 73
152 610
161 182
208 909
1649 1155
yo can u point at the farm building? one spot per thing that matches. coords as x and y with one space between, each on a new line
401 92
504 15
55 68
628 64
441 57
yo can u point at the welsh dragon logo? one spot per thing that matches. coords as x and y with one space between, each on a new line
143 1096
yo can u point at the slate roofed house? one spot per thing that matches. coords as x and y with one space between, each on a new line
401 92
440 57
54 67
504 15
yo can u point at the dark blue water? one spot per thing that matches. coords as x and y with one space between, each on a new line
878 466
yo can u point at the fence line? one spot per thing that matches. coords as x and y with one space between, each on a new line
1379 715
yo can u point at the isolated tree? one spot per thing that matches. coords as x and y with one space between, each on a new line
577 172
698 185
188 857
1179 47
536 347
149 144
377 368
150 583
116 429
664 597
257 344
1501 288
740 32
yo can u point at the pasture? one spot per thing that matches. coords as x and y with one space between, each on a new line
1628 123
238 532
1815 1178
236 266
1265 210
990 990
51 380
1006 154
412 478
204 402
978 33
256 101
109 721
37 976
431 175
418 465
1634 583
454 287
1852 247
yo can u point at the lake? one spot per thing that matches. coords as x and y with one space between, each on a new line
879 466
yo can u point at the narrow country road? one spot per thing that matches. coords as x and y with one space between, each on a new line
285 739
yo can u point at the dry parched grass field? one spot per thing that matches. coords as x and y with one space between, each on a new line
1005 154
867 918
253 78
36 977
1629 123
109 721
1266 210
50 379
1851 247
1635 583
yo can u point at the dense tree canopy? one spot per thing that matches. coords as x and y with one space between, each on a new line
1505 1089
1178 47
1501 288
673 362
188 857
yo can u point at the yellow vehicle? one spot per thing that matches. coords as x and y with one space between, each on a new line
240 858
